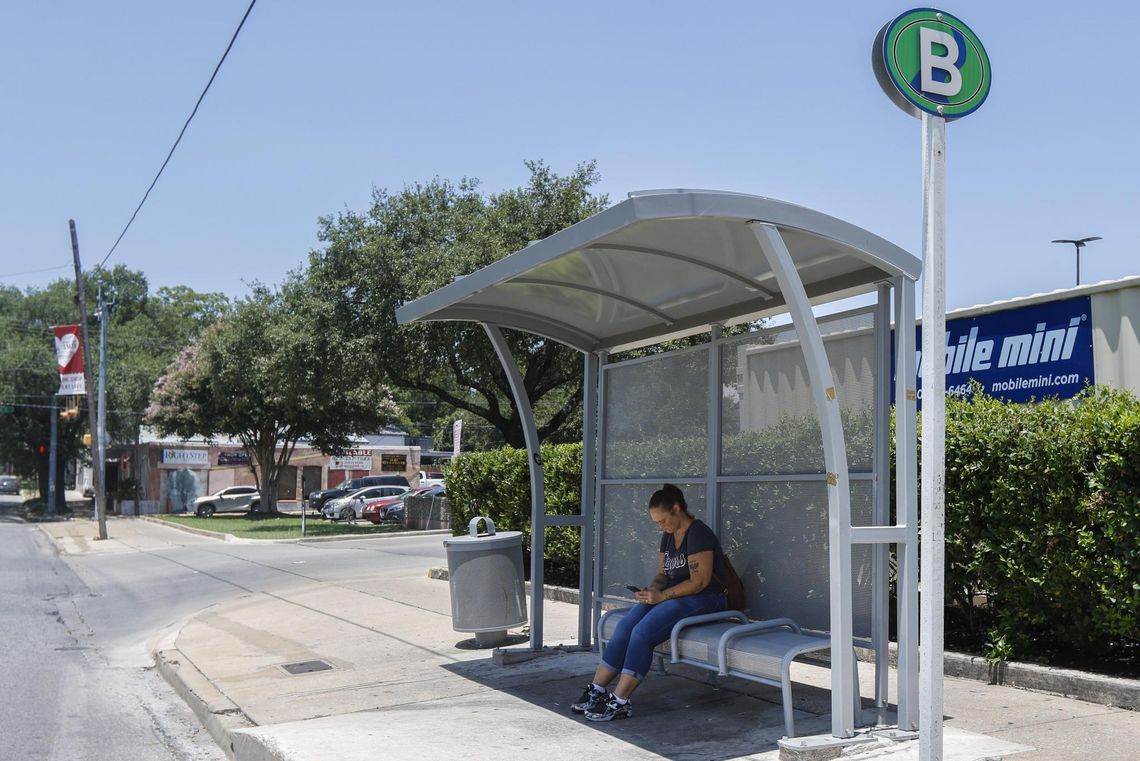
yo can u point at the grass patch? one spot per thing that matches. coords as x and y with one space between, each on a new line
279 526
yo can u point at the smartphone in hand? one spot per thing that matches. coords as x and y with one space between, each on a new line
632 588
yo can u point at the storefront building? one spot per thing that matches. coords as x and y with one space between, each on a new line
172 473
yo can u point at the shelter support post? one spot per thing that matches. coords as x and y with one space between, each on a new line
933 435
598 444
712 469
592 370
906 503
881 510
835 461
537 492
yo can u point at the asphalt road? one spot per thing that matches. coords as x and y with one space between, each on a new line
77 676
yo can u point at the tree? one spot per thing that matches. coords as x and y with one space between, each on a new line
268 376
29 380
144 333
413 242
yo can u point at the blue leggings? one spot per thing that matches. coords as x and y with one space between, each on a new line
630 650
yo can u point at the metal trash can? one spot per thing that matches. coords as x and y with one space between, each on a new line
485 573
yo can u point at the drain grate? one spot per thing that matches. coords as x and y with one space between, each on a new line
306 667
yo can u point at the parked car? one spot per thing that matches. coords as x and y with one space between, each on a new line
374 509
431 478
346 508
232 499
318 499
9 485
396 511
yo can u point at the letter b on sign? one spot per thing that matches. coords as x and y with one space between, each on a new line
927 60
930 61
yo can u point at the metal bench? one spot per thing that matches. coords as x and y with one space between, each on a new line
732 645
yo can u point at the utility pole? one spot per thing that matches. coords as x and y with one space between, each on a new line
97 470
100 448
51 495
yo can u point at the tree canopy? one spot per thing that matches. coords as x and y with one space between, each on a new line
268 375
410 243
144 332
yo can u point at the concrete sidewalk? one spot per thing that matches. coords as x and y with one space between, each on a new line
403 684
398 682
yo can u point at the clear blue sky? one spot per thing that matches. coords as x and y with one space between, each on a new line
319 102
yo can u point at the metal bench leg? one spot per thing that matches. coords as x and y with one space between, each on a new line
858 694
786 689
660 661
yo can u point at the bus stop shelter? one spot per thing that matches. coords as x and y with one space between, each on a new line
778 435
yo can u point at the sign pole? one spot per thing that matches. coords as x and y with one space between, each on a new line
52 464
933 471
932 66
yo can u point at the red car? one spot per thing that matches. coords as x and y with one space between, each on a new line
374 508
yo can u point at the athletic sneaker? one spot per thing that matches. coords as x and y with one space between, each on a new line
612 710
591 701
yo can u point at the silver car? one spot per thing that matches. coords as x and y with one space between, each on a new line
9 485
232 499
348 507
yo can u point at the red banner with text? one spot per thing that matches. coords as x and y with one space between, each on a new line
69 356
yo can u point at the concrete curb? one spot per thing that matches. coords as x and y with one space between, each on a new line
217 713
308 539
1080 685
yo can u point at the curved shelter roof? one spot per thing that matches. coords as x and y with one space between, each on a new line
664 264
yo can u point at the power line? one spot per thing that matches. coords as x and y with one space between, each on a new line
33 272
180 134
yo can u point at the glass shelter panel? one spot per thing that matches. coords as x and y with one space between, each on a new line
776 533
768 419
630 536
656 421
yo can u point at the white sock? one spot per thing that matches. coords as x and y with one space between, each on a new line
621 701
596 688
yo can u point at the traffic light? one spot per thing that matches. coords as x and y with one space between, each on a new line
42 449
87 440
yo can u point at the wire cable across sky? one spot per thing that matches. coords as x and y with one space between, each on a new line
180 134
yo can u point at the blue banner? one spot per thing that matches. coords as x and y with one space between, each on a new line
1023 354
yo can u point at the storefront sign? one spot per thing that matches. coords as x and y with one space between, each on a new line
350 462
233 458
393 462
194 458
1021 354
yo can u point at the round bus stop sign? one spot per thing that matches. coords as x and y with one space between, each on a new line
928 60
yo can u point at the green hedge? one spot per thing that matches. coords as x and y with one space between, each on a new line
496 484
1043 524
1042 516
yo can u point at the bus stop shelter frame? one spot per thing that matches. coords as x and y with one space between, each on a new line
666 264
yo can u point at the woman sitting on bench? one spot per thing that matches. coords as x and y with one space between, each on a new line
688 565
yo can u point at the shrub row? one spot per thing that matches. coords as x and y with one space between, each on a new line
1043 524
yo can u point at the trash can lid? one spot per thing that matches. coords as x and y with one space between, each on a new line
498 540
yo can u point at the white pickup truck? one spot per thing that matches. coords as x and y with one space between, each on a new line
430 478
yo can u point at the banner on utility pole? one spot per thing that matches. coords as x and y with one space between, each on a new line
456 435
69 357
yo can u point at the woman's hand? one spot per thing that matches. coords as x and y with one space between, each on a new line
652 596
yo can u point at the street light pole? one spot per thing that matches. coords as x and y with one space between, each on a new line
1078 244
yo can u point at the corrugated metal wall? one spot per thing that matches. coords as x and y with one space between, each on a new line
1116 345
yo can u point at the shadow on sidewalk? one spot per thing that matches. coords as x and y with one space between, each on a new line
679 715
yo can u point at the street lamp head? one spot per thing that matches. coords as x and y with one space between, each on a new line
1080 242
